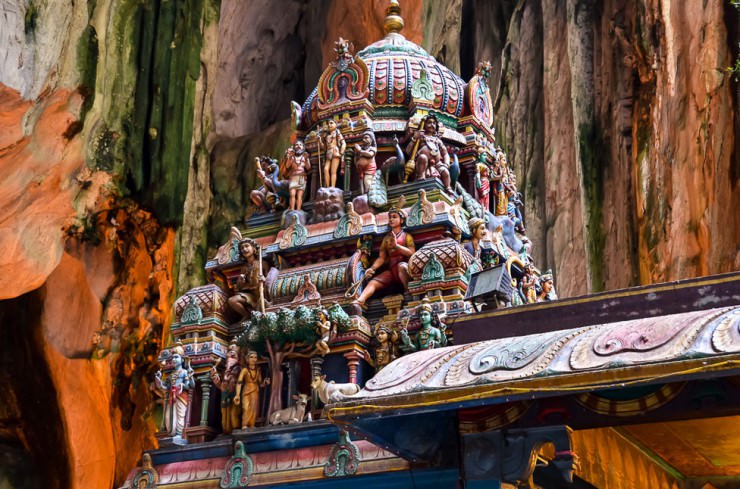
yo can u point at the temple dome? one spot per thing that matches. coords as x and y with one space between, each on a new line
394 63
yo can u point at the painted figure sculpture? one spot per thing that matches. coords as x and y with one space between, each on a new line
177 388
226 382
248 390
395 250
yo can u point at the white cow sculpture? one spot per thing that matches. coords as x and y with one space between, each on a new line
330 392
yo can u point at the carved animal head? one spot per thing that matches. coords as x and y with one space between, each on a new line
318 381
301 400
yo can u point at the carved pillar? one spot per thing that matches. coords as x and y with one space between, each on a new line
353 363
205 385
290 373
317 364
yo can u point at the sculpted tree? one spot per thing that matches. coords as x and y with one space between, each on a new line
288 334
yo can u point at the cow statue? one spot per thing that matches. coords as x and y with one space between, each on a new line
293 414
330 392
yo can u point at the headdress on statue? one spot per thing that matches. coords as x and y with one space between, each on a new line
233 346
546 277
254 243
398 209
178 349
372 136
431 117
426 305
474 222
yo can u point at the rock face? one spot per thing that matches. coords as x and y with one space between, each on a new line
128 131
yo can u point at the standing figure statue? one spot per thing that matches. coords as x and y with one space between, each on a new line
429 152
333 143
365 160
324 330
483 185
297 166
250 281
430 335
226 382
498 177
529 284
176 387
395 251
248 390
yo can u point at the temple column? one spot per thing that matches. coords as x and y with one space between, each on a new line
317 364
205 385
353 363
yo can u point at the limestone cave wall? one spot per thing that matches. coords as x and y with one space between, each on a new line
127 132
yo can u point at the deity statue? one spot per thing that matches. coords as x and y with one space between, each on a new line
324 330
429 152
176 387
483 185
430 335
334 144
498 178
547 288
513 212
395 251
477 228
297 166
250 283
264 197
226 382
365 160
385 349
248 390
529 284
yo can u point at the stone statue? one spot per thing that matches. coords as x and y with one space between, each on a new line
248 390
365 160
429 335
226 382
334 145
429 152
176 388
395 251
250 281
297 166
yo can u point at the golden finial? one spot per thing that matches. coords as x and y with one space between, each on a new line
393 21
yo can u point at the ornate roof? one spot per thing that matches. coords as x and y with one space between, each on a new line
618 353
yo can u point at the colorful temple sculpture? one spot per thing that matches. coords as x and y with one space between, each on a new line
381 316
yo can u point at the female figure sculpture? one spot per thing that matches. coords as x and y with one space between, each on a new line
248 390
176 387
395 251
335 146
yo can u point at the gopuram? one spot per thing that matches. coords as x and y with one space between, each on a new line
379 320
